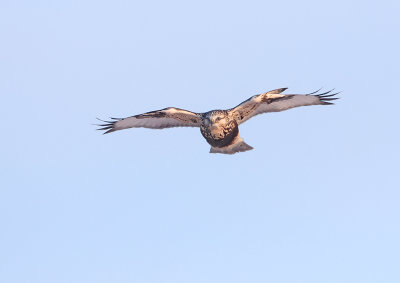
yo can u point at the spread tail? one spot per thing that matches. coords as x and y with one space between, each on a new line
238 145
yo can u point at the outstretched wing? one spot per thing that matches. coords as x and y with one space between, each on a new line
273 101
159 119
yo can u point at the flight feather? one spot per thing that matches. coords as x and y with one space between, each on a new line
159 119
274 101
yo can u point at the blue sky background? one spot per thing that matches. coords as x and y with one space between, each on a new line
316 201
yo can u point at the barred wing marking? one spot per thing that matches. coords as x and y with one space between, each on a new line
274 102
159 119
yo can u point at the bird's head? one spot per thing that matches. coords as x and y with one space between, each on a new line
215 118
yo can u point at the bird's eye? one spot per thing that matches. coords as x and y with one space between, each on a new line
218 118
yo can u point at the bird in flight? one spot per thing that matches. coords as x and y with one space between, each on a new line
220 128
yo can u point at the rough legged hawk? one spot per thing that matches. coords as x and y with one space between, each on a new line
220 127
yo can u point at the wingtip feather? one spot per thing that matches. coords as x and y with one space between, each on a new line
326 96
108 127
109 131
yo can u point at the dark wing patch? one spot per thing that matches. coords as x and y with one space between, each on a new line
108 126
326 96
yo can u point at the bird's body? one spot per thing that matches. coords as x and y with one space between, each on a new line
220 128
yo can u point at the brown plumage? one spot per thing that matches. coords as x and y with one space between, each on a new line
220 128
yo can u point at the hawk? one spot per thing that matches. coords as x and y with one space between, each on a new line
220 128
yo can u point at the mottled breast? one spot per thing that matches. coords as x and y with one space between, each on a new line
220 133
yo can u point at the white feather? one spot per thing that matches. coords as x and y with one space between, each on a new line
238 145
150 122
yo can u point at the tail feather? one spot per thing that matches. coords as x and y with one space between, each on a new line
237 146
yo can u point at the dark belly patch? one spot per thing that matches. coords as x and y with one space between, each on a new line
227 135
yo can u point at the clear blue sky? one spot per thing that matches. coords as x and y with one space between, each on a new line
317 200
